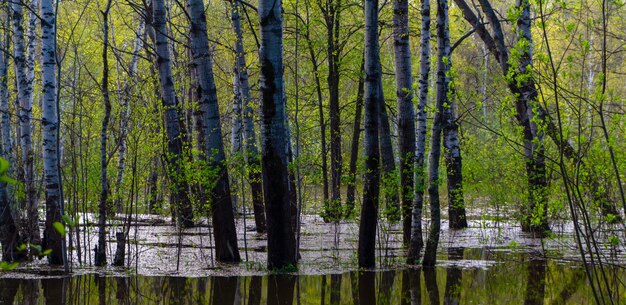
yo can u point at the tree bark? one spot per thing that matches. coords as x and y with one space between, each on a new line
416 242
371 178
9 233
100 257
320 108
443 80
333 18
224 232
280 232
53 240
173 124
452 151
406 111
525 93
354 149
24 83
389 180
251 152
124 97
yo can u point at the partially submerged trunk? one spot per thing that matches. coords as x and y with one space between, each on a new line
224 232
354 149
280 232
333 18
53 239
371 178
452 151
406 112
9 233
124 96
24 83
525 105
100 258
416 243
174 125
251 150
389 180
443 80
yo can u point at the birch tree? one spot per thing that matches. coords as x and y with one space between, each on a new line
281 242
416 242
124 97
100 258
174 125
406 111
251 151
9 234
24 82
443 82
224 231
53 239
371 178
526 105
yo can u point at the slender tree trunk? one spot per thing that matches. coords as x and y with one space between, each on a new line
534 146
372 102
525 92
452 151
333 18
124 96
406 112
388 160
320 108
251 152
443 80
9 233
224 232
100 258
24 83
173 124
280 236
354 150
53 240
416 243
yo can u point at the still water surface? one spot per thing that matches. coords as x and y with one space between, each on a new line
464 276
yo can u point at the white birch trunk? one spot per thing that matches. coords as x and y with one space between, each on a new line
124 94
24 82
50 123
416 243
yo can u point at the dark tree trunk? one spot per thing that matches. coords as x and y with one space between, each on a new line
389 180
100 257
406 112
333 17
354 150
454 278
173 120
371 178
280 289
224 232
281 250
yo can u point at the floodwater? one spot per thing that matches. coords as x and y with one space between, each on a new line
489 263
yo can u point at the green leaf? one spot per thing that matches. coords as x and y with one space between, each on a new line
6 266
21 247
46 252
59 227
